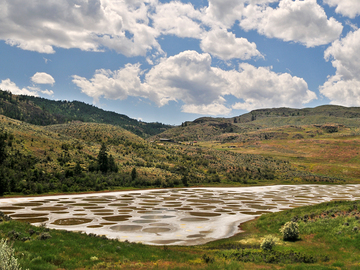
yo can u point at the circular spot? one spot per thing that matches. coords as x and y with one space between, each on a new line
159 224
29 215
125 210
104 214
94 226
156 216
144 221
71 221
184 208
204 214
50 208
261 207
149 212
29 204
126 228
108 223
156 230
33 220
194 219
195 236
101 210
117 218
205 232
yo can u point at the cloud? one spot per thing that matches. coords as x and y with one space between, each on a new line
214 109
343 88
111 84
224 13
189 78
226 46
88 25
300 21
349 8
8 85
263 88
176 18
42 78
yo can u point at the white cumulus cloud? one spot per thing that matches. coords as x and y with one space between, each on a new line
117 84
176 18
226 45
343 88
189 78
301 21
8 85
349 8
262 88
42 78
88 25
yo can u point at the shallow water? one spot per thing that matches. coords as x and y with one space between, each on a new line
171 216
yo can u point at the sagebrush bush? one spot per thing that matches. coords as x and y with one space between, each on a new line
7 259
269 242
290 231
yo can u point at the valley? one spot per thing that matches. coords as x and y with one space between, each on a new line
73 156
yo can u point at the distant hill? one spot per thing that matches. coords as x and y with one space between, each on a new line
227 129
41 111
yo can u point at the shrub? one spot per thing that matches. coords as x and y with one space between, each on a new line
290 231
269 242
7 259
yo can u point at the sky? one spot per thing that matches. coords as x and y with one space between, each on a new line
174 61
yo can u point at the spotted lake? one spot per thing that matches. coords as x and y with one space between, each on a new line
189 216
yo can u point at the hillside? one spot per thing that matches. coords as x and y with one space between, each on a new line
41 111
66 157
240 128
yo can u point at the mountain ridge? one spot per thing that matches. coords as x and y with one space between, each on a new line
41 111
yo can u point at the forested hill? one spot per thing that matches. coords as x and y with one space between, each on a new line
41 111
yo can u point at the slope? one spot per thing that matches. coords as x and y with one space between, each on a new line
40 111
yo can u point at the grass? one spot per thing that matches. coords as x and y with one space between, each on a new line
328 240
307 148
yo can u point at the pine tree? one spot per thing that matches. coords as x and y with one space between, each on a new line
103 161
3 155
133 174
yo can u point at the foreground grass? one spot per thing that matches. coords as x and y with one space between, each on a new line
329 239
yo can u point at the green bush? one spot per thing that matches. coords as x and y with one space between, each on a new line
7 259
290 231
269 242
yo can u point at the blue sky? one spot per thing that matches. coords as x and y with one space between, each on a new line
174 61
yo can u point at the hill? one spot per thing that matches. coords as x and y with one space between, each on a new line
238 128
41 111
66 157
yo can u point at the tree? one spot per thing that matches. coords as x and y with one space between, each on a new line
112 166
3 154
103 161
133 174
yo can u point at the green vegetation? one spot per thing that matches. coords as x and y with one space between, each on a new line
41 111
329 239
80 157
